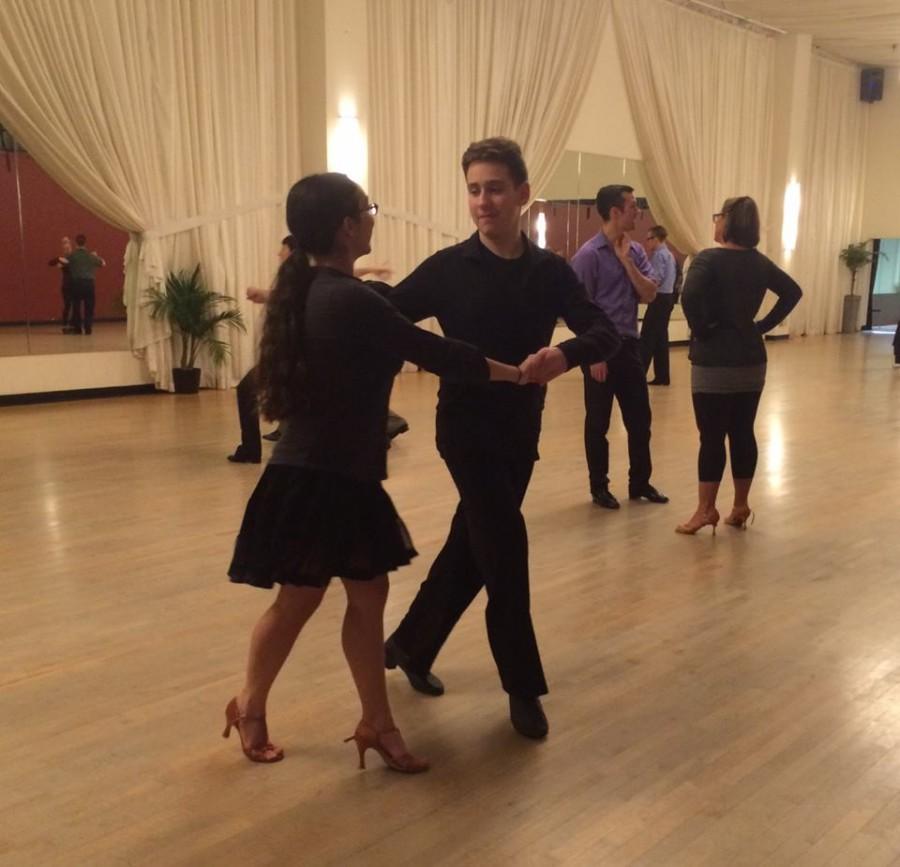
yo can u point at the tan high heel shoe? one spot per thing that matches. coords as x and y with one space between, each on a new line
367 738
688 529
265 754
740 518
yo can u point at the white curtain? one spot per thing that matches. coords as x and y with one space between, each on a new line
832 189
446 73
701 94
175 120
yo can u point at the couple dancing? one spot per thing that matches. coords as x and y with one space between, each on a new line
331 347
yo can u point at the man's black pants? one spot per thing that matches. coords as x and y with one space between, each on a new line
248 414
627 383
487 547
655 336
83 295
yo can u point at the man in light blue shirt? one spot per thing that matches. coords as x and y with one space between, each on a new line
655 327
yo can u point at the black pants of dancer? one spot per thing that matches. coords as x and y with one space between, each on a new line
487 547
83 297
655 336
248 415
67 303
726 415
627 383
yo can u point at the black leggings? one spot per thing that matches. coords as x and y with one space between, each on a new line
731 415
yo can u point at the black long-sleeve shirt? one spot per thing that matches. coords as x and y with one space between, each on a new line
723 292
354 343
507 309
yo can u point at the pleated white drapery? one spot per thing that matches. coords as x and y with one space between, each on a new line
445 74
831 215
174 120
701 96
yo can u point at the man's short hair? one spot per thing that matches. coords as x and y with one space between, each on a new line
497 150
658 232
741 221
612 196
80 240
289 242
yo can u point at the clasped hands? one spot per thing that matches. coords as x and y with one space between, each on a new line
542 366
548 363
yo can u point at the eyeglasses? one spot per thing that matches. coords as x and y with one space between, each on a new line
370 209
716 216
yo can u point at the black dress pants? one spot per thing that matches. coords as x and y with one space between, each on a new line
248 415
487 547
83 295
67 303
655 336
627 383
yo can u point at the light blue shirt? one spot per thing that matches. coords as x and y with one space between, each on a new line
663 263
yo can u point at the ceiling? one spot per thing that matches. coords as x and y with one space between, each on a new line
864 31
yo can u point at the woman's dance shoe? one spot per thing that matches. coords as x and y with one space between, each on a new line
690 529
265 753
740 518
367 738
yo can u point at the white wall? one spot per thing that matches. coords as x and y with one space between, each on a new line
881 210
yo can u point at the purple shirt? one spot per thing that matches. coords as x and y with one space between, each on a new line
607 282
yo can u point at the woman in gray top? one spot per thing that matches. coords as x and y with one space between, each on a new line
330 348
723 293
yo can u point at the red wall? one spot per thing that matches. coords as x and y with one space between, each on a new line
32 292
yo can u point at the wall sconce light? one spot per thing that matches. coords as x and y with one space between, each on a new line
791 221
540 228
347 148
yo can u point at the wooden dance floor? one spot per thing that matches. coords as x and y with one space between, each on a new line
715 700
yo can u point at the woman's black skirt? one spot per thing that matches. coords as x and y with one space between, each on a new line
304 526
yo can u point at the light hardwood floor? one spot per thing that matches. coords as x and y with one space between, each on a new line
727 700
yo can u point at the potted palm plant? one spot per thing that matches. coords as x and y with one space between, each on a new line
854 256
195 314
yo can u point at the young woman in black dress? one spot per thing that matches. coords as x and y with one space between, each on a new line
330 349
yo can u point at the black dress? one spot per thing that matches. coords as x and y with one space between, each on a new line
319 509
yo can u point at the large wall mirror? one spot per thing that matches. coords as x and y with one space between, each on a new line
36 214
563 215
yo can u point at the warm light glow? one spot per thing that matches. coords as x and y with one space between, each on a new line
347 148
791 222
540 227
774 463
347 107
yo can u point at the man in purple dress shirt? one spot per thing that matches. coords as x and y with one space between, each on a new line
618 275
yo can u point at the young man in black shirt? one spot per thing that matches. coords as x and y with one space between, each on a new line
503 294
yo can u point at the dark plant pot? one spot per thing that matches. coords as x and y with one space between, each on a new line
850 316
186 380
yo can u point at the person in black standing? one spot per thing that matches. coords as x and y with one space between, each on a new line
503 294
723 293
330 349
62 262
82 266
655 325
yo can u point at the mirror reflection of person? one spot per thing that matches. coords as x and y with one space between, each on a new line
82 267
62 262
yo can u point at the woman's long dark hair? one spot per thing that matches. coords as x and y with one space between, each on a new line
317 205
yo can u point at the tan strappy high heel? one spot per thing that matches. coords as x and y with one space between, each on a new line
368 739
265 754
